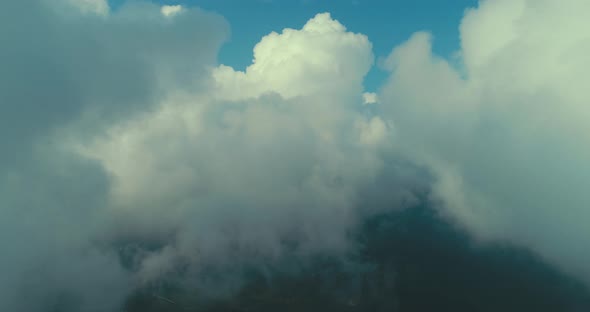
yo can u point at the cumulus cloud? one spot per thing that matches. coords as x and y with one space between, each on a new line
370 98
140 155
67 74
504 134
302 62
171 10
135 157
259 158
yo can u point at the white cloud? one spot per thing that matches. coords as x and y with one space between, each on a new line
278 150
134 133
370 98
73 77
505 135
302 62
171 10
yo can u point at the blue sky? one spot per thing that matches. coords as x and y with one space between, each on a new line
386 23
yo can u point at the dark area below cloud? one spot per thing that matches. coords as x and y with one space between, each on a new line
409 261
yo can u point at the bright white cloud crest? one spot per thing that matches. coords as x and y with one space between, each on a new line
322 57
153 141
171 10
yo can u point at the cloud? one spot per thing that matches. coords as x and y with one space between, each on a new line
302 62
138 155
135 158
504 134
259 158
99 7
370 98
66 76
171 10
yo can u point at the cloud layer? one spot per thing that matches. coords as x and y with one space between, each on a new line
258 159
68 74
130 135
505 133
133 155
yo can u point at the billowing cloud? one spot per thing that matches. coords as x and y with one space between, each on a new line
171 10
134 157
302 62
370 98
65 74
130 134
259 158
504 134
